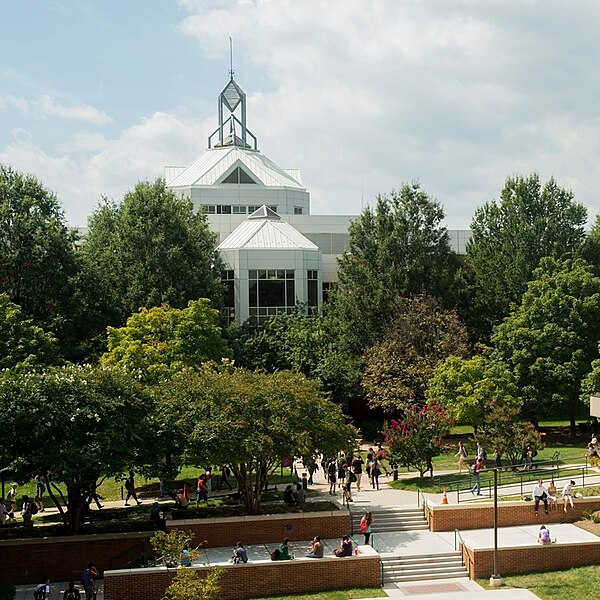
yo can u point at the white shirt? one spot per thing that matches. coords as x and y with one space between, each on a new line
538 490
567 489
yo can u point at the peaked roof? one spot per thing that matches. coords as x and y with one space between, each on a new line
214 164
264 229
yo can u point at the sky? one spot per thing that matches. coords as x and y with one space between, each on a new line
360 95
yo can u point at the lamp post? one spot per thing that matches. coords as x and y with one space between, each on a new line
495 579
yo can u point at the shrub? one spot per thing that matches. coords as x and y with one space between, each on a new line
7 591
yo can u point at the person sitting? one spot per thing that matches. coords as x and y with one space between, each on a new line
155 514
239 554
284 550
544 535
591 451
186 557
288 496
540 494
181 502
316 548
300 495
552 495
345 548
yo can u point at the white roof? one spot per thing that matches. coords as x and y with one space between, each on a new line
212 165
264 229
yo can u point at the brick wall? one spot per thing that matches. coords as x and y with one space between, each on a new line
264 529
481 516
531 559
63 558
25 561
262 579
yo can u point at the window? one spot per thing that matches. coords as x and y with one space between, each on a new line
223 209
271 292
251 209
273 208
238 176
297 210
327 285
210 209
227 279
239 210
313 290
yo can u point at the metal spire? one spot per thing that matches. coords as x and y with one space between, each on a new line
231 71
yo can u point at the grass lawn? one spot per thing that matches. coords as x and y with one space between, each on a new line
335 595
581 583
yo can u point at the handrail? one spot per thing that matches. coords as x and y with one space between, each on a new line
463 551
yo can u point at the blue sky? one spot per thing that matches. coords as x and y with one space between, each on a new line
361 95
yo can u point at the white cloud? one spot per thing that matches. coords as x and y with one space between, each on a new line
78 112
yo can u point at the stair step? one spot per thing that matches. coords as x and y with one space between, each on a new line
454 574
406 568
401 562
424 557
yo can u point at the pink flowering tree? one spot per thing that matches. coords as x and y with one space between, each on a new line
415 440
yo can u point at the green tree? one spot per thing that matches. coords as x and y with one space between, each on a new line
188 585
23 344
159 341
420 337
72 425
551 339
37 251
509 237
150 250
416 439
251 421
397 249
468 388
506 431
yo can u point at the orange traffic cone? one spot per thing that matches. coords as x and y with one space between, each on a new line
444 498
187 497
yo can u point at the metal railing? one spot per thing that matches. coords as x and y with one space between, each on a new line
463 551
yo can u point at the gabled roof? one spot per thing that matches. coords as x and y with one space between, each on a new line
212 165
264 229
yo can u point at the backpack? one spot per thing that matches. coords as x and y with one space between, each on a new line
484 455
331 468
364 526
85 577
40 592
71 595
129 485
275 554
474 469
352 477
33 509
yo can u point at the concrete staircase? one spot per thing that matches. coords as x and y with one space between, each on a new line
423 567
386 520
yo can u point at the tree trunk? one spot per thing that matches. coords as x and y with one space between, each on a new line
572 425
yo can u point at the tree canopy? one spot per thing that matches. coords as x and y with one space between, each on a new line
152 249
397 249
469 388
251 421
157 342
23 344
509 237
551 339
72 425
37 252
420 337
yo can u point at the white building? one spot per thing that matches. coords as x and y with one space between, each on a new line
276 253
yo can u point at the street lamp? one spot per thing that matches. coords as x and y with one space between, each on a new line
495 579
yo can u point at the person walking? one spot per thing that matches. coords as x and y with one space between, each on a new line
366 526
42 590
27 511
331 476
71 593
12 500
462 457
130 487
375 473
224 480
88 580
476 472
357 467
201 490
40 488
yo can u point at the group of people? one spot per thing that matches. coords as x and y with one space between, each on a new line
348 469
89 575
542 494
295 494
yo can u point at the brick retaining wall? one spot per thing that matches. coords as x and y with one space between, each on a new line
63 558
481 516
256 579
532 559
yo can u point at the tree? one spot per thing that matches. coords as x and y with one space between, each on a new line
251 421
420 337
510 237
505 430
37 251
551 339
23 344
416 439
160 341
398 249
72 425
188 585
468 388
150 250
